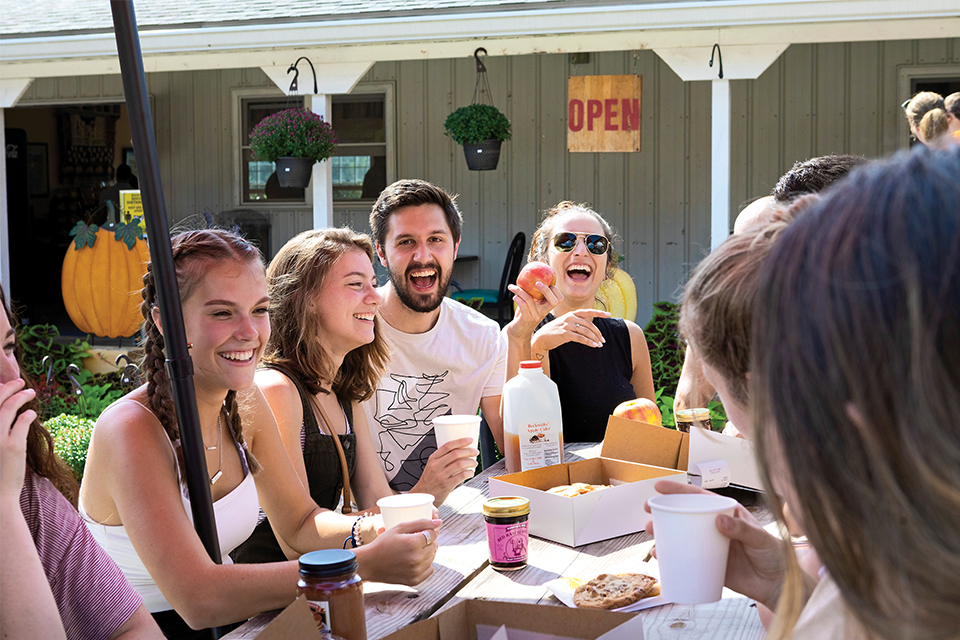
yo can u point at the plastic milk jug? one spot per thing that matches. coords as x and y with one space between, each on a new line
532 423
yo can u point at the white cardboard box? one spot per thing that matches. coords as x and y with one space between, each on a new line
739 454
633 457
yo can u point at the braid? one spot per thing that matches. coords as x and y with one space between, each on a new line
236 428
159 392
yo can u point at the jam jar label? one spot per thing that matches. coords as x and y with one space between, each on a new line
508 542
321 613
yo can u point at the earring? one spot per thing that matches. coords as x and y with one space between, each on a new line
189 345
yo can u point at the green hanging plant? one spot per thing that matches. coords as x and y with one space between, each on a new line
475 123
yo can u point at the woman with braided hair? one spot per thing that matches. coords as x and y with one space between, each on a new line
133 496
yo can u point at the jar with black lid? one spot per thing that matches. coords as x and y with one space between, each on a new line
507 536
334 591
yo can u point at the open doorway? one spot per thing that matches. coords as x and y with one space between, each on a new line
71 154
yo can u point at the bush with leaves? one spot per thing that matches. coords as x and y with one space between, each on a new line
666 362
475 123
71 439
295 133
38 341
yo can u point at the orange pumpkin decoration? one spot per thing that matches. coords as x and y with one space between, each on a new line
102 278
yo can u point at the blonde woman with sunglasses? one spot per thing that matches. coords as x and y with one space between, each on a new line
597 361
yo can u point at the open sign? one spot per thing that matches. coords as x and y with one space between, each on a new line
603 113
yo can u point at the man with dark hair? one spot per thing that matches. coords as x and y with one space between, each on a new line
446 358
952 105
811 176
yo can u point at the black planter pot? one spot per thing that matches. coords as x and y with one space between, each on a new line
483 156
294 172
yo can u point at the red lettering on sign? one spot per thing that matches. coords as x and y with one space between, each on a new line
594 110
631 114
610 109
575 115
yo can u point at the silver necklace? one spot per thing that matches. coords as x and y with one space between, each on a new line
219 472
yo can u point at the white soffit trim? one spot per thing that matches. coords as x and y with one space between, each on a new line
11 89
740 62
332 77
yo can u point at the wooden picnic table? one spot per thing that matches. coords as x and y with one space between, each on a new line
462 571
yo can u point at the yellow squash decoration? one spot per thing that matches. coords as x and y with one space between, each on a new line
102 278
618 295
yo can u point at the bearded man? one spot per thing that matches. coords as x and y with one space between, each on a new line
446 358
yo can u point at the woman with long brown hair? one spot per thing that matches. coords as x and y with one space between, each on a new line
324 356
55 581
132 494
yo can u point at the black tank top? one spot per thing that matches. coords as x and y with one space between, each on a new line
324 477
592 381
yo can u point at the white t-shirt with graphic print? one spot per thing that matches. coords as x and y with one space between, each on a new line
446 370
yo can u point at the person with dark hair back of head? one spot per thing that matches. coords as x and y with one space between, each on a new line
952 104
124 176
55 580
813 175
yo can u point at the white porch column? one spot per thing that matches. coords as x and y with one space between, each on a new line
739 62
10 91
322 181
720 163
331 78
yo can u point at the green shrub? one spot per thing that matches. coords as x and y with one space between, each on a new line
71 439
475 123
37 342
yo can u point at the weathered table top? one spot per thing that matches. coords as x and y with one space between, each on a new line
461 571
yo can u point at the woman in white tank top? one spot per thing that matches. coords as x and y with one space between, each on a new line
132 494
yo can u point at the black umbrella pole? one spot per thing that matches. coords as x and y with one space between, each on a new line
179 363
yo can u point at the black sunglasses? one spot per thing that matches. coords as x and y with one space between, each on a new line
595 243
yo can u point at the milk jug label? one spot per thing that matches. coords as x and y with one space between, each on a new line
539 445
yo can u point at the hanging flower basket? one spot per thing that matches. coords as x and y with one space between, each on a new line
294 172
293 135
483 156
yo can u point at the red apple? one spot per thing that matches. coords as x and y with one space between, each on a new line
641 409
534 272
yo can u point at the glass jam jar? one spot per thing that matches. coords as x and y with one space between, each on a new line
507 535
334 591
686 418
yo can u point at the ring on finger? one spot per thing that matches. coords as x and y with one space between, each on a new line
577 326
426 535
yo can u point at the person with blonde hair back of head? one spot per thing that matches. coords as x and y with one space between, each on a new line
917 107
854 375
323 358
133 496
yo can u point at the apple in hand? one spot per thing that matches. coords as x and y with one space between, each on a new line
534 272
641 409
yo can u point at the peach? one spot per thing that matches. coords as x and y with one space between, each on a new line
534 272
641 409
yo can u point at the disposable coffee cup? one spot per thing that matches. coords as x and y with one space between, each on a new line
405 507
454 427
691 552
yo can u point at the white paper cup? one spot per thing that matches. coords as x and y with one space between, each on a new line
691 552
405 507
454 427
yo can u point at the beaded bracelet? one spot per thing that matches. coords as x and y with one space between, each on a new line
355 537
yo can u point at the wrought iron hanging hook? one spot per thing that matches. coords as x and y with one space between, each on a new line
716 50
48 363
480 66
130 375
72 370
296 74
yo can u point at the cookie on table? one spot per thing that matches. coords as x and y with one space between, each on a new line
612 591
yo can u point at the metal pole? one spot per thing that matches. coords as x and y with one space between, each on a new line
179 363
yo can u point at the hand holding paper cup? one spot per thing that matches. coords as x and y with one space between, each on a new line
454 427
405 507
691 552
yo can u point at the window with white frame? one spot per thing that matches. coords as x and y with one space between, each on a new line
360 166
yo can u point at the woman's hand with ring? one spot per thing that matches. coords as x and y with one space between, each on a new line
575 326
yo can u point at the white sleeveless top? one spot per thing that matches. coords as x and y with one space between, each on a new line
236 517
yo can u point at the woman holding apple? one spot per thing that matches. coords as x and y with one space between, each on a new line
597 361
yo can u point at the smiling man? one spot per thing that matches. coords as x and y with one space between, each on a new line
446 358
